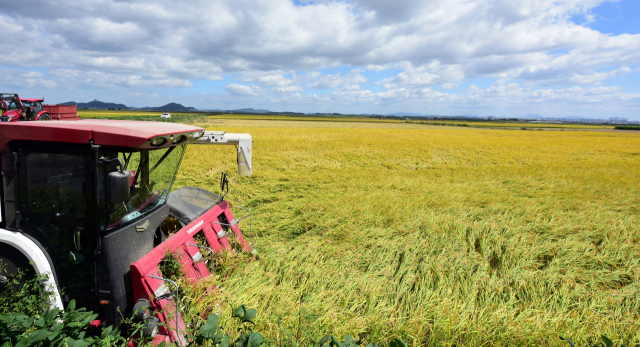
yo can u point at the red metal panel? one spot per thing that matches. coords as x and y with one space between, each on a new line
61 112
134 133
103 132
23 131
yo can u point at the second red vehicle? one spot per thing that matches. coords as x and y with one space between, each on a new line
16 109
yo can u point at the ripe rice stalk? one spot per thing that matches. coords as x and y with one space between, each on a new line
457 235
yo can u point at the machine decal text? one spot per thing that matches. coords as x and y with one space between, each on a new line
195 227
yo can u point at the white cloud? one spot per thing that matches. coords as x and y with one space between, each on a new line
597 78
106 80
319 81
351 87
267 79
288 89
29 79
278 47
433 73
238 89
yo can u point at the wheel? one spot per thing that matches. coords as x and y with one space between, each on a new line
150 328
44 117
11 262
141 310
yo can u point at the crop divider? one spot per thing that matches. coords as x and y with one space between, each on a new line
176 303
250 215
147 279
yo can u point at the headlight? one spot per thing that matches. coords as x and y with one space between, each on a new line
158 141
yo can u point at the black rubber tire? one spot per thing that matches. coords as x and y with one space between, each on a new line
151 327
44 117
12 261
141 310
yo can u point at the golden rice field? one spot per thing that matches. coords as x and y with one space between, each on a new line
499 124
121 113
99 113
460 236
275 117
304 118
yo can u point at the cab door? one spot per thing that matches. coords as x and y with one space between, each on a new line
56 201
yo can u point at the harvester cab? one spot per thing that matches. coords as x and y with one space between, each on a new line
84 201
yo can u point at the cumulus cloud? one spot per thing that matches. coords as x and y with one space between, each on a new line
269 48
238 89
266 35
596 78
431 74
288 89
107 80
319 81
30 79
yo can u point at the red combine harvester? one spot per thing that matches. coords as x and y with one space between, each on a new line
83 201
15 109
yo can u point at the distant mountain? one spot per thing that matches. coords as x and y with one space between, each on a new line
95 104
250 110
99 105
170 107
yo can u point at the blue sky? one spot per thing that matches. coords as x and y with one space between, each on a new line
619 17
486 57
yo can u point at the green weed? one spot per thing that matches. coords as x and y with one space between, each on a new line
170 266
626 127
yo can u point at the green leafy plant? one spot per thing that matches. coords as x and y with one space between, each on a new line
247 338
55 328
210 331
24 293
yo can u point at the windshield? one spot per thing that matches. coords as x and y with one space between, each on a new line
13 105
152 175
36 106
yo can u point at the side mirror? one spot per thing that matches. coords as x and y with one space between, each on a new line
118 183
224 183
118 187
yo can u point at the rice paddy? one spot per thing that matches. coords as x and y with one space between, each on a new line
117 113
460 236
147 115
519 124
